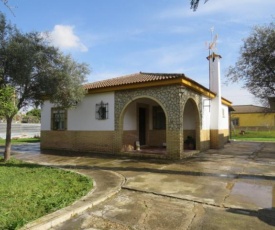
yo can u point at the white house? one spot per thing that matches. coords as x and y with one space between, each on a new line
136 113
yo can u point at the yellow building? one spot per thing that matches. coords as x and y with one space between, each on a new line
251 116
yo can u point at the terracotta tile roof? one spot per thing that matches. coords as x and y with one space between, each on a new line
134 79
250 109
141 78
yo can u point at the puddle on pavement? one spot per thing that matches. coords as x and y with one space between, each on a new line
262 196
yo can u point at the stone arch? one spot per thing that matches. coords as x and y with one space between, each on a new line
142 97
137 123
191 125
172 99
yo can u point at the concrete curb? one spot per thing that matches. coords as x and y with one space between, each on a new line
86 202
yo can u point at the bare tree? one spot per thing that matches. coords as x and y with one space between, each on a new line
195 4
6 3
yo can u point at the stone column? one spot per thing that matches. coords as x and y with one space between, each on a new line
174 134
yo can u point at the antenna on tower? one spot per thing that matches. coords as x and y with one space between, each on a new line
211 46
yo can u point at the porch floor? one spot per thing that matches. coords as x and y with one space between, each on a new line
156 152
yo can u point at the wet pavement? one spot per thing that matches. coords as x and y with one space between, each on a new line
230 188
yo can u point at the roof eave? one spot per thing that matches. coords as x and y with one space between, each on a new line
180 81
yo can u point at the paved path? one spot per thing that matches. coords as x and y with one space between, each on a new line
231 188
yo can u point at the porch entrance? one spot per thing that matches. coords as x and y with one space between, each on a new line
142 126
191 126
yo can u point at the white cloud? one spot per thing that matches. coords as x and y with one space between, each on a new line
63 36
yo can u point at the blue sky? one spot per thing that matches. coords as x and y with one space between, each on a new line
119 37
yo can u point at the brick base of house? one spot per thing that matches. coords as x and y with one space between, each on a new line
205 140
107 141
86 141
218 138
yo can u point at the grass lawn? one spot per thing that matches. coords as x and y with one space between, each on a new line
20 141
254 135
29 191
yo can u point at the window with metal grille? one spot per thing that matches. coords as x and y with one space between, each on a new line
59 119
102 111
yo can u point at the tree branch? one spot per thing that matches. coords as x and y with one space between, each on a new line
6 3
195 3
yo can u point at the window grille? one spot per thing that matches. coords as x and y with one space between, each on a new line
102 111
59 119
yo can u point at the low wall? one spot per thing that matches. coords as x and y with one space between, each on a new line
20 130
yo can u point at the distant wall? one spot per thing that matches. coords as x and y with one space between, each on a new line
255 119
20 130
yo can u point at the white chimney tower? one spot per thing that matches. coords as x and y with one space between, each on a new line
215 103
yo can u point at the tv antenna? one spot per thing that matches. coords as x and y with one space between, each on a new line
211 46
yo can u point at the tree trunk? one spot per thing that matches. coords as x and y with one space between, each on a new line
7 152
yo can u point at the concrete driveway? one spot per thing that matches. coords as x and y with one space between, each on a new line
231 188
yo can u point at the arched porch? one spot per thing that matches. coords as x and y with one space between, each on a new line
144 127
131 104
191 126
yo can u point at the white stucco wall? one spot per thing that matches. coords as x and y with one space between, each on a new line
130 117
225 117
83 117
189 118
205 113
219 119
46 116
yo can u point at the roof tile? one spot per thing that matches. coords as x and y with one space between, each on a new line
133 79
250 109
